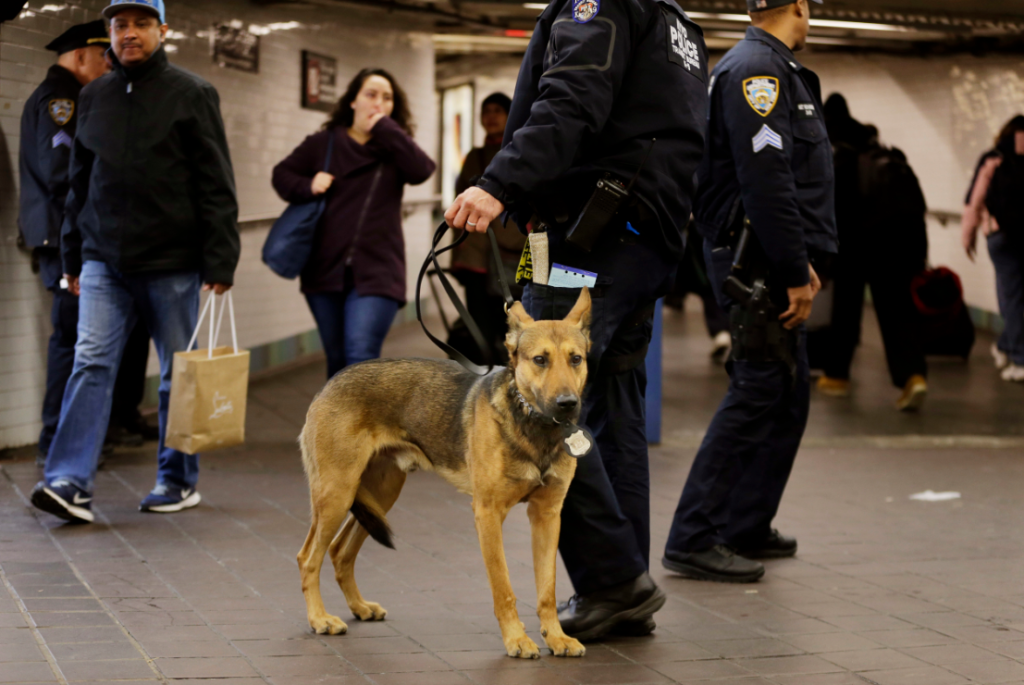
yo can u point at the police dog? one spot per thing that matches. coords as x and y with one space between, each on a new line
498 438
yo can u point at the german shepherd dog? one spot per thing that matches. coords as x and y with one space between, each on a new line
498 438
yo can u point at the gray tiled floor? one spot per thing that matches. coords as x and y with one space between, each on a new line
885 590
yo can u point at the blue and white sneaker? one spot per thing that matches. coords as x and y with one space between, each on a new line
166 499
64 500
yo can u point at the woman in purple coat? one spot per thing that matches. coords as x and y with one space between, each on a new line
355 279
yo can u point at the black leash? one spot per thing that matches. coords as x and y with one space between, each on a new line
471 325
576 440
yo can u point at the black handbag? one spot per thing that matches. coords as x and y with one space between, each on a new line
290 241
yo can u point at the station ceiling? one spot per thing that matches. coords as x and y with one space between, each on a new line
979 26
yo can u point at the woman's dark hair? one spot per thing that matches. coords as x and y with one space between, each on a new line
1009 130
343 114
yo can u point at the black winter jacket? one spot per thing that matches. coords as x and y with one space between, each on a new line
152 188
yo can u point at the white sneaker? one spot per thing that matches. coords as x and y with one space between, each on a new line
1000 358
1013 373
721 345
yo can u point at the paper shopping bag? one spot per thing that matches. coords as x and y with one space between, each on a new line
208 394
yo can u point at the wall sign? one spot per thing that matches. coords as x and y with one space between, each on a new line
319 82
235 47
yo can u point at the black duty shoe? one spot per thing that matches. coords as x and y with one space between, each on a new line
775 546
634 628
720 564
591 617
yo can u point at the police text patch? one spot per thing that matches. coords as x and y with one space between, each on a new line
682 50
806 110
61 111
767 137
583 11
762 92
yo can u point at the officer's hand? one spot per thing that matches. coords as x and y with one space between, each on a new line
815 281
800 301
321 182
74 287
217 288
474 210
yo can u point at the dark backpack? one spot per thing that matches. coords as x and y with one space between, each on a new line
893 204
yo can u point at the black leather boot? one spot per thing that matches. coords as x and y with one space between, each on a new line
592 616
720 564
775 546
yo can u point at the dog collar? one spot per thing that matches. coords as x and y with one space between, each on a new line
576 440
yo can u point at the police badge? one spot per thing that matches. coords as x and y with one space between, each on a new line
762 93
577 440
61 111
585 10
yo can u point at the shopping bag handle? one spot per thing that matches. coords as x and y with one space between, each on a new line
211 306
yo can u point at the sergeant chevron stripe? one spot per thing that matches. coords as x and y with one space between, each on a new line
765 137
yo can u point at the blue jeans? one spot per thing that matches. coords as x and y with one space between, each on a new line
352 326
1006 248
109 306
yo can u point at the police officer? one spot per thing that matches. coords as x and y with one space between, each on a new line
768 166
604 136
47 134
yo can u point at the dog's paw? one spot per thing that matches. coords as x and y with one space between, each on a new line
328 625
522 647
563 645
368 611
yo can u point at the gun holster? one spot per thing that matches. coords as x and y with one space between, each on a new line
757 333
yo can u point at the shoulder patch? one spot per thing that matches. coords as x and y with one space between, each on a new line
762 92
583 11
61 110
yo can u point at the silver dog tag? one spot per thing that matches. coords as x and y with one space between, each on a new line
578 441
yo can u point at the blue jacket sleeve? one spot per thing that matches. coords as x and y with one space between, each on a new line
584 66
760 135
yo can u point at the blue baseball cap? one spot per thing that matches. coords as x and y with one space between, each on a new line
154 7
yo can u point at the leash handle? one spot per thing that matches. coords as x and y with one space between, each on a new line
471 324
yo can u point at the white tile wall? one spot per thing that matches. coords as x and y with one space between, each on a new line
264 123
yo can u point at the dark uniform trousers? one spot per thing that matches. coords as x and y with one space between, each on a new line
606 536
60 358
741 470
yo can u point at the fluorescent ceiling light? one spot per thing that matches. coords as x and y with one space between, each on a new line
535 5
821 23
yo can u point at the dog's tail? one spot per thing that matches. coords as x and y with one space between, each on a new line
371 516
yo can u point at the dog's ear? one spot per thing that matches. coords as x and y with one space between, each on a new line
518 319
579 316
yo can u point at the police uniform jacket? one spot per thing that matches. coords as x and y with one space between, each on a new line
599 81
152 188
768 157
47 134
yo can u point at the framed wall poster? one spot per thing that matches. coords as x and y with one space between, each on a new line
457 112
235 47
319 82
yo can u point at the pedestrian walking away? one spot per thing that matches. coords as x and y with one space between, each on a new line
993 206
151 133
765 209
604 136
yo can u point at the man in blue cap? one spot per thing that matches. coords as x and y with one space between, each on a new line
48 125
151 216
765 208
